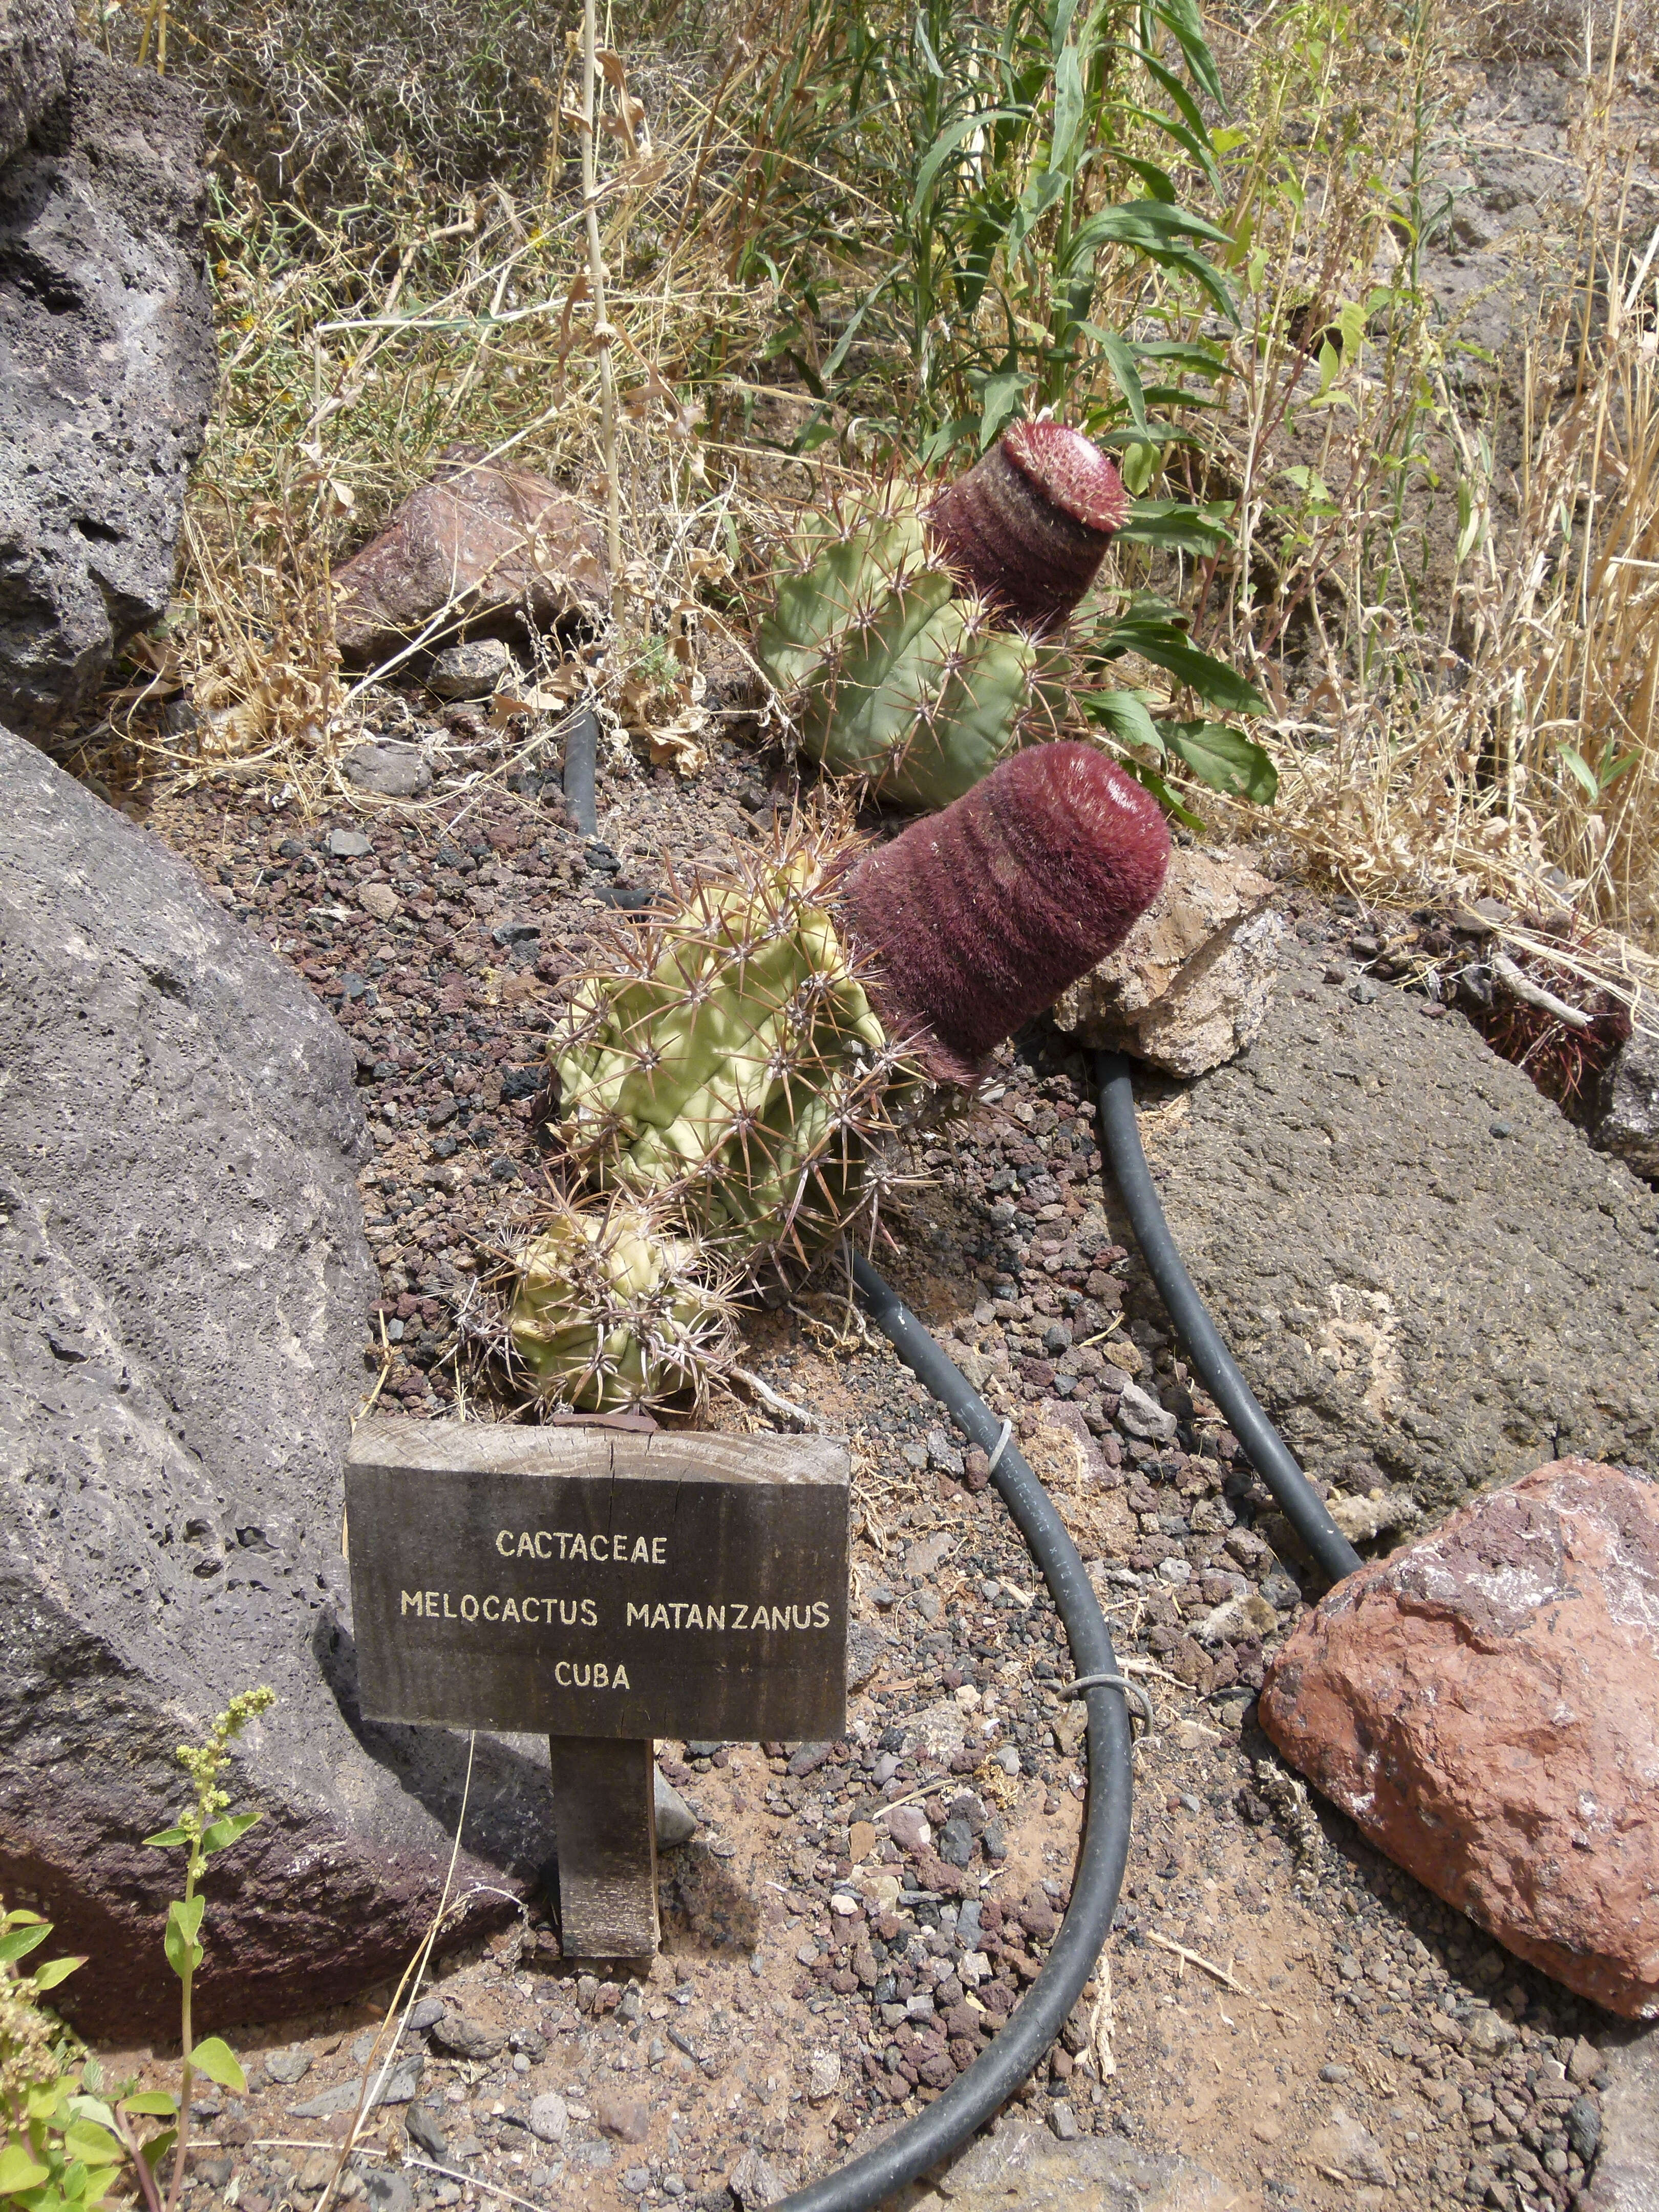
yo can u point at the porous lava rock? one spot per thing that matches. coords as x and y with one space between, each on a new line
36 38
107 332
1429 1278
183 1285
1026 2167
1629 1125
478 544
1484 1704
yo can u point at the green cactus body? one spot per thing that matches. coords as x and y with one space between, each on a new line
893 677
611 1307
735 1061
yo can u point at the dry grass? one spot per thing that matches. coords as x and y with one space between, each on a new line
348 363
1464 649
1460 646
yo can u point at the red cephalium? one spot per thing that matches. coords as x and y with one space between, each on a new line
981 915
1027 526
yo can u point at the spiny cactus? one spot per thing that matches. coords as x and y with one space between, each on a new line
729 1055
911 642
616 1304
732 1076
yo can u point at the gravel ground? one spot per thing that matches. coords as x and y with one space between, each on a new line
853 1920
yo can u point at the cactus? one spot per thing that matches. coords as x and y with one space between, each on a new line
731 1077
617 1305
911 642
730 1056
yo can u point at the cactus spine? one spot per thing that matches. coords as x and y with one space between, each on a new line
731 1059
910 641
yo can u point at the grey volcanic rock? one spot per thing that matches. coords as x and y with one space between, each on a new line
1024 2167
183 1283
1416 1299
36 37
1630 1124
106 332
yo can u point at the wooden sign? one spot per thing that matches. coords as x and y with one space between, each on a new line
607 1590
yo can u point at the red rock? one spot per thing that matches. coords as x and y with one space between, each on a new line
480 541
1486 1705
627 2119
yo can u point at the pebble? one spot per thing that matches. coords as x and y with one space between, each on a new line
909 1828
391 768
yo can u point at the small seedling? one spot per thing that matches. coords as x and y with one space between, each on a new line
207 1827
65 2141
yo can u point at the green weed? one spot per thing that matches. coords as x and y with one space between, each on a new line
66 2144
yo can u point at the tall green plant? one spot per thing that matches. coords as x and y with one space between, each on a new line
976 189
989 213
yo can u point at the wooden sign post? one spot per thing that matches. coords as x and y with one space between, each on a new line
609 1590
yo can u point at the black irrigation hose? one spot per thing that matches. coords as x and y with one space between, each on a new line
581 746
1018 2047
1264 1446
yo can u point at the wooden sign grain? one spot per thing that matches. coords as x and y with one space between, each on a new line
584 1583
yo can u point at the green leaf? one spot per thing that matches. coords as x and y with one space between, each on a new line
151 2104
20 2170
948 144
157 2147
22 1941
1201 360
55 1971
1126 717
1145 223
1610 775
226 1832
1158 181
214 2057
1183 19
22 1919
88 2140
1069 110
1150 778
1470 520
1580 767
1121 356
168 1837
999 398
1175 524
184 1951
1215 683
1225 759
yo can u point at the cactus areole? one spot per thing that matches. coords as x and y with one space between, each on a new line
979 917
1027 526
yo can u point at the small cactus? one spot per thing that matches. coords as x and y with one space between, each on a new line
911 642
729 1055
616 1306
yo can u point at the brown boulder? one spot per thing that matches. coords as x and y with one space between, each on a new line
1486 1705
477 543
1189 986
